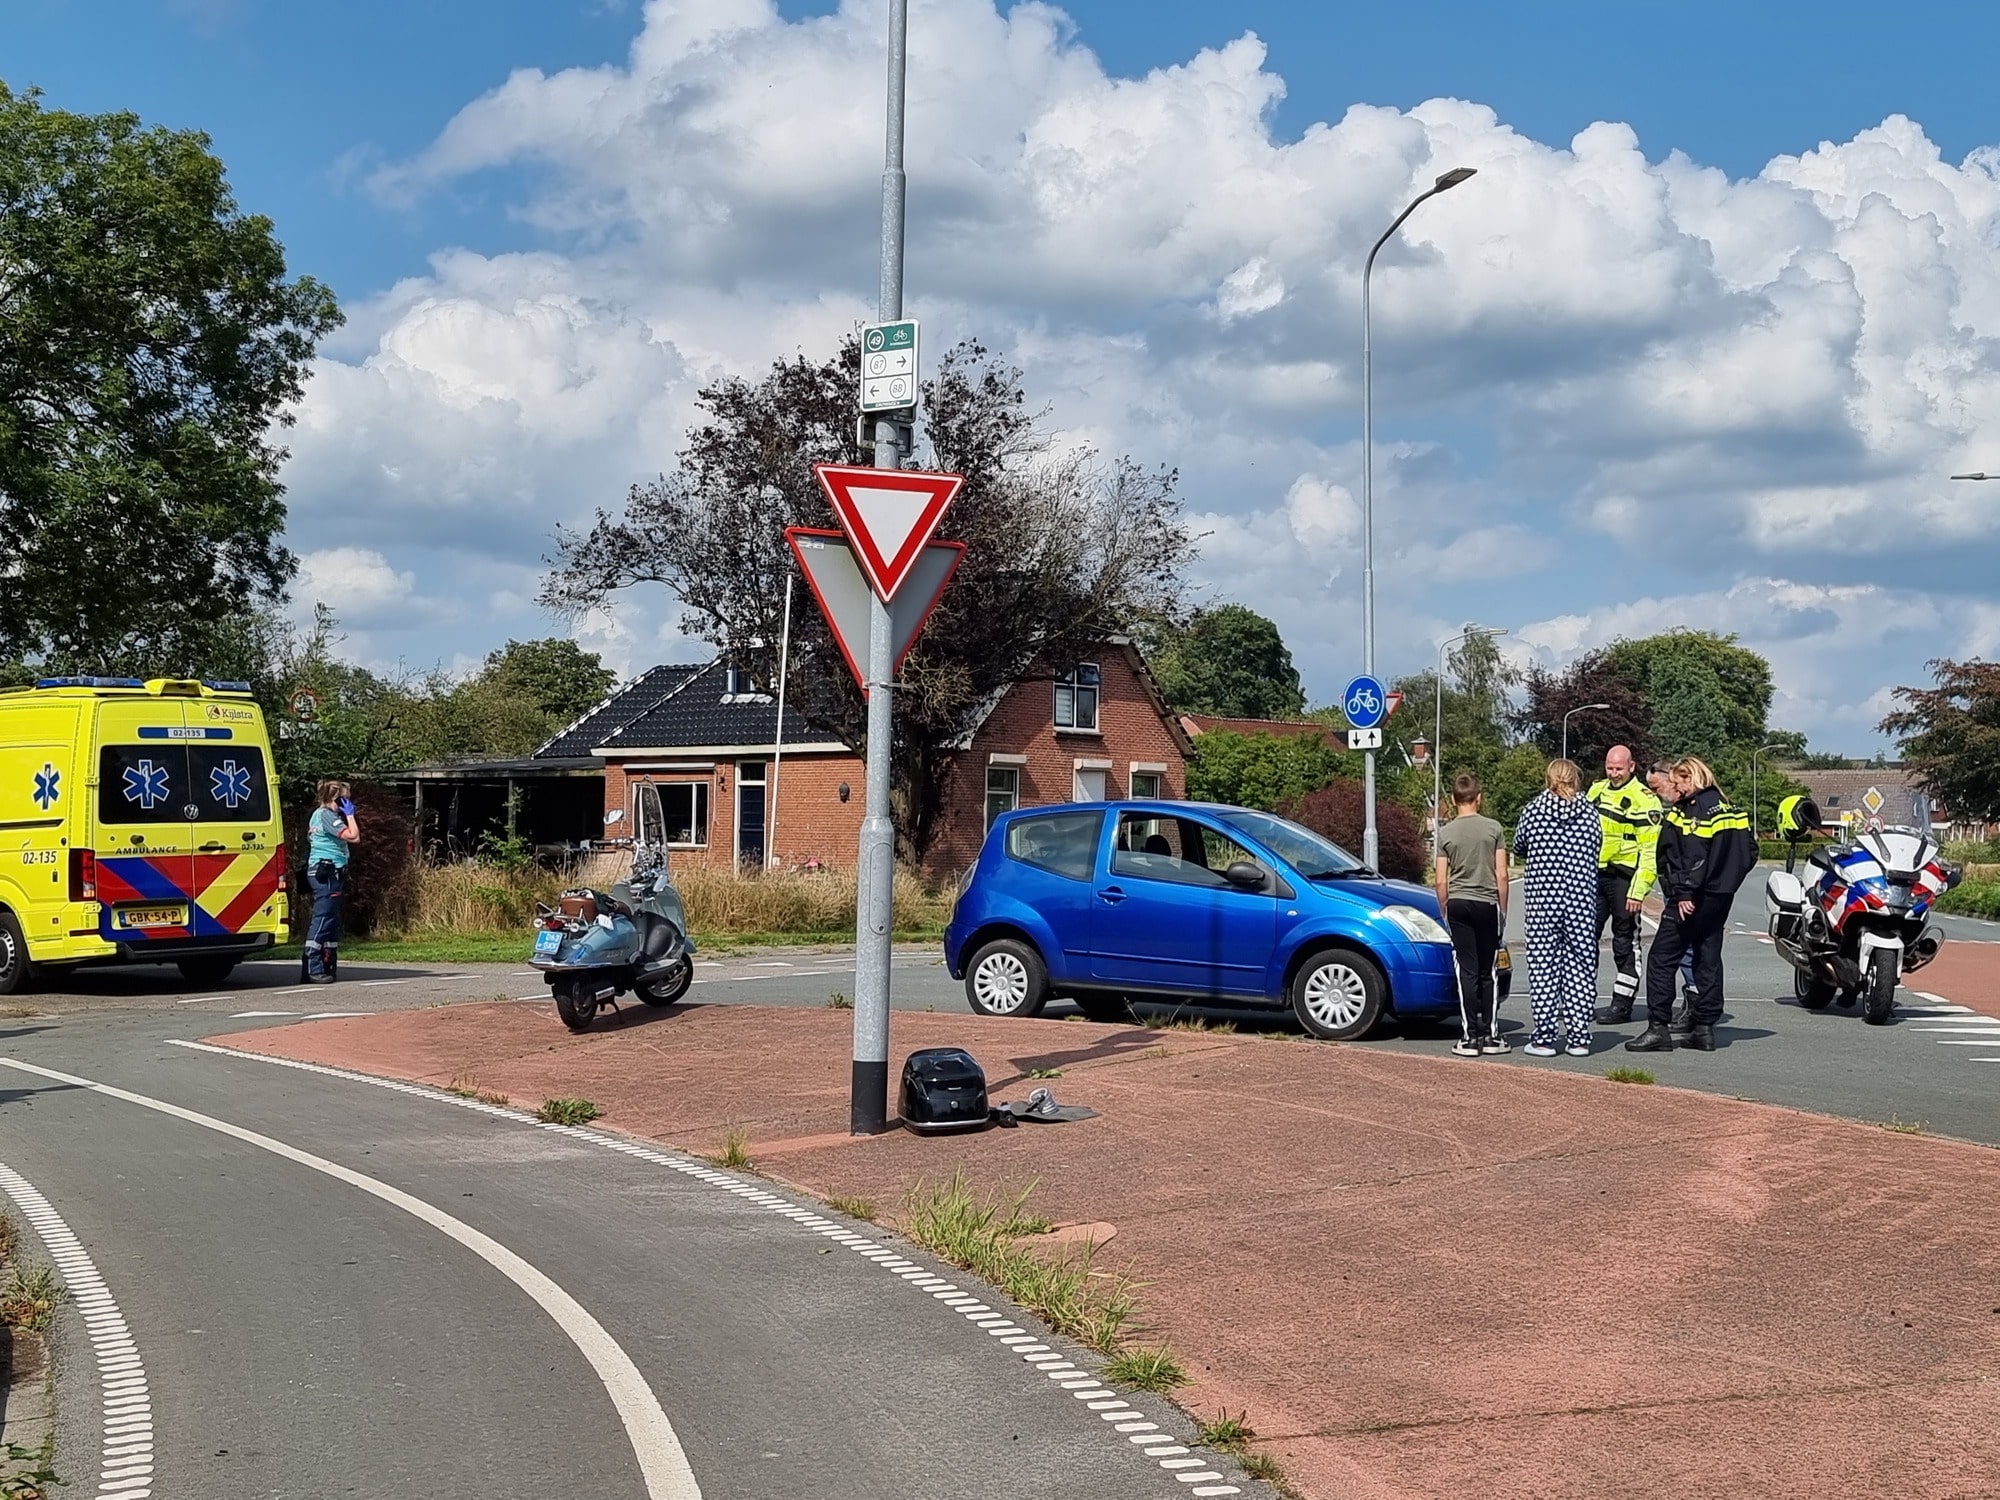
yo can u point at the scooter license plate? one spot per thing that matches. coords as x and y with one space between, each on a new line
547 943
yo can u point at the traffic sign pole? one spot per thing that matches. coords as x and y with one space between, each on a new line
874 914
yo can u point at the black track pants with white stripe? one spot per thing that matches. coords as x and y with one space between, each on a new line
1613 889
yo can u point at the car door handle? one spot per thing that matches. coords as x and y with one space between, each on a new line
1112 894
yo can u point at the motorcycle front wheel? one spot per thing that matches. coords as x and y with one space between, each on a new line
1812 993
1883 968
666 991
576 1003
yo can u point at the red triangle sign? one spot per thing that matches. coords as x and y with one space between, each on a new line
888 514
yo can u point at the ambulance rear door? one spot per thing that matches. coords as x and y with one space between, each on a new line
239 856
146 808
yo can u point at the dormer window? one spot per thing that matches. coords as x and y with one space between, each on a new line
1076 698
737 681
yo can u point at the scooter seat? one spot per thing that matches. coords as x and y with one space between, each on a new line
587 905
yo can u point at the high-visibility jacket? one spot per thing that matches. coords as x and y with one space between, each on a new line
1631 816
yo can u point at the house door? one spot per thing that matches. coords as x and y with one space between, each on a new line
750 786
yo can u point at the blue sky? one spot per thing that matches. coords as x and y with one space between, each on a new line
1618 391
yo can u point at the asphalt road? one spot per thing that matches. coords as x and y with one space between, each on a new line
337 1289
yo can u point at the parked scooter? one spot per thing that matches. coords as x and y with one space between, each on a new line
1860 920
595 945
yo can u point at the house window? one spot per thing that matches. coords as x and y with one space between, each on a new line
1145 786
1076 698
1003 791
685 804
1089 785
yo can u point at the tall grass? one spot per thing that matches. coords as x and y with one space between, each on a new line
473 896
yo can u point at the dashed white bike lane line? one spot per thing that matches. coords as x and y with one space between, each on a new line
1191 1467
125 1469
654 1443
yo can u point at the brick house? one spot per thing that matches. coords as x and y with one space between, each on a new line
1843 797
708 737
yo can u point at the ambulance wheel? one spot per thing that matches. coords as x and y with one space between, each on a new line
1813 994
576 1003
15 969
667 991
206 972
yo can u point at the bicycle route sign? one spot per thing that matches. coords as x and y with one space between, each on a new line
1365 702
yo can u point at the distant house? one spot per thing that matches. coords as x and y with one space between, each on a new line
1198 725
709 739
1851 796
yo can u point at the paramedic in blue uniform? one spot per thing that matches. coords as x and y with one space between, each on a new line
329 835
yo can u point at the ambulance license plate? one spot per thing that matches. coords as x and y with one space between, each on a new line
547 943
152 916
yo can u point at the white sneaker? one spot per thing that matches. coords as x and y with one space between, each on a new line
1577 1049
1465 1047
1539 1049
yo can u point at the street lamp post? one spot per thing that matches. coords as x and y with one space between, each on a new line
1582 708
1470 632
1774 745
1370 844
1976 476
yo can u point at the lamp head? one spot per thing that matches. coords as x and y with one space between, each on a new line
1454 177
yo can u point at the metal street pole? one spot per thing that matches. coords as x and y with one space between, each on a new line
1437 729
1370 844
778 734
1976 476
1774 745
1581 708
868 1106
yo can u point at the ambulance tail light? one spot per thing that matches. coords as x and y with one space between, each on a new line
83 874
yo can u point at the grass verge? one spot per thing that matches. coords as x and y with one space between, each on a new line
567 1112
30 1297
854 1208
735 1152
1152 1369
1067 1291
1905 1127
1628 1075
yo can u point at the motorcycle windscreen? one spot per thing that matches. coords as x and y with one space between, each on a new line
649 825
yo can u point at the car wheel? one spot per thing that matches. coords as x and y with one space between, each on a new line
1007 978
1338 995
14 966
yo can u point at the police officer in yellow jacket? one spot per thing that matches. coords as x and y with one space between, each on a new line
1631 817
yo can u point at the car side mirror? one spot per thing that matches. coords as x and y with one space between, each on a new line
1246 875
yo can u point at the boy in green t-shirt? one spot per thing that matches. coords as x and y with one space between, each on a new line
1472 894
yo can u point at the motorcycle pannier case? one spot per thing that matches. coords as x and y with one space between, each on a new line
944 1089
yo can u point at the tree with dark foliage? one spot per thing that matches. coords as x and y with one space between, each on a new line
1228 661
1064 550
1950 736
1591 678
150 344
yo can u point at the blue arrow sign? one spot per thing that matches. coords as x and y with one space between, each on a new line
1366 703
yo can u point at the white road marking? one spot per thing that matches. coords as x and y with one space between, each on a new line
654 1444
258 1015
1062 1373
126 1462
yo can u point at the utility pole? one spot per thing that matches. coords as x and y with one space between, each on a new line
874 917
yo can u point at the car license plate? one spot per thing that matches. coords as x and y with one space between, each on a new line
152 916
547 943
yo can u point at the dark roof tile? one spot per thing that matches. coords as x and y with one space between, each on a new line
703 712
642 694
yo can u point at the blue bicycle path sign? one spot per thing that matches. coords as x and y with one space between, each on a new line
1366 703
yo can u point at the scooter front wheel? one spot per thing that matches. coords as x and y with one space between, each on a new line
666 991
576 1003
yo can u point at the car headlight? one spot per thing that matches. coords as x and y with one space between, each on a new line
1418 926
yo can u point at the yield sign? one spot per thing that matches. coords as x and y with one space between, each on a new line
1395 702
889 515
835 579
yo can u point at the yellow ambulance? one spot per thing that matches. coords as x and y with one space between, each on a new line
138 824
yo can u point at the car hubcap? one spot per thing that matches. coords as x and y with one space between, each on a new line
1335 995
1002 983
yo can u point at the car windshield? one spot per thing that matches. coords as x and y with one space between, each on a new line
1313 857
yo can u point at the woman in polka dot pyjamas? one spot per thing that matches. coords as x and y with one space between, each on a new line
1559 836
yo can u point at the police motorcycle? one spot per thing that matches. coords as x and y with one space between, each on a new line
1858 919
593 946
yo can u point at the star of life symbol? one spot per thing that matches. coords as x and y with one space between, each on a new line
48 787
229 784
146 784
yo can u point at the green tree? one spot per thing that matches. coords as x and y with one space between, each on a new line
1229 662
1737 677
555 676
1950 736
1689 717
150 345
1266 771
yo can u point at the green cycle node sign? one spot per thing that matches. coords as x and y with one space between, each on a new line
889 366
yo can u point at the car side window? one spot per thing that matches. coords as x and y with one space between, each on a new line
1150 847
1062 843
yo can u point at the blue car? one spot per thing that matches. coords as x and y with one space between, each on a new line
1109 903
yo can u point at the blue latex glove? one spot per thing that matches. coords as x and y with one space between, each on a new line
345 807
